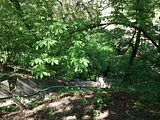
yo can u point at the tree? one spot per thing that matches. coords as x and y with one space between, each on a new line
63 37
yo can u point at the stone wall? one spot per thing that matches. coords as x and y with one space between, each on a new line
29 86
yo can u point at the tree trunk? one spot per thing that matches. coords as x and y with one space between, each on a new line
135 47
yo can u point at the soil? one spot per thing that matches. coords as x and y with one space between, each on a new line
117 106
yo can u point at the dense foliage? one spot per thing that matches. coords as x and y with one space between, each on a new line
81 39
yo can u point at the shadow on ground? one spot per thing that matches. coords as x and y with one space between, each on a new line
116 106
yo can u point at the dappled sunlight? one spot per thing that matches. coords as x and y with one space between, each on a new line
79 60
64 107
102 115
117 105
60 102
84 104
70 118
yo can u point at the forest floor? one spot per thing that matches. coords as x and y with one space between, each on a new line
116 105
84 104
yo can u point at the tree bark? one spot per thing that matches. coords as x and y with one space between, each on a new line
135 47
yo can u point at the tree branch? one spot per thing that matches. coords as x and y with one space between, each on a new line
153 39
129 42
